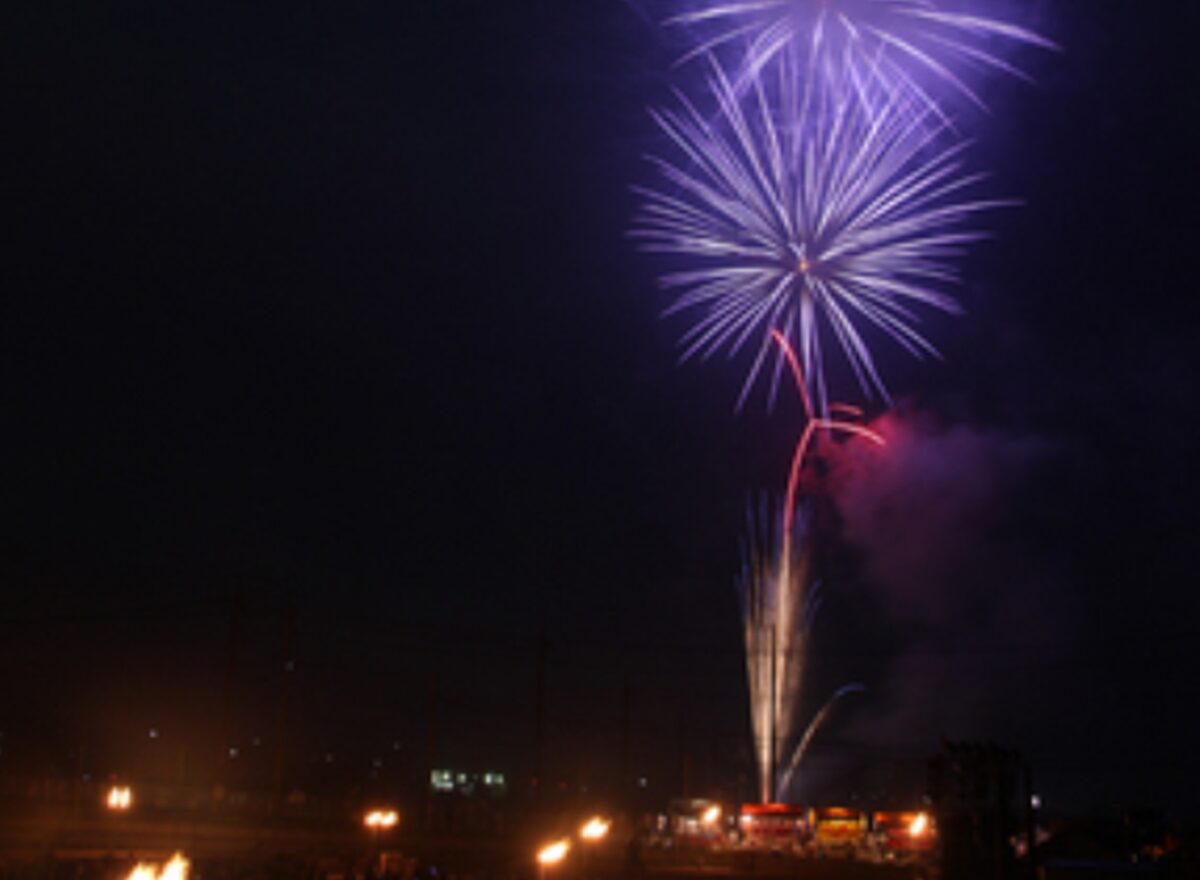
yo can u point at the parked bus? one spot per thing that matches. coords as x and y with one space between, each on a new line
838 831
902 835
773 826
697 822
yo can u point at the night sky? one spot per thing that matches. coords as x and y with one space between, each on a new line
323 340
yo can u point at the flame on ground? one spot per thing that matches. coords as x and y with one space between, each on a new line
176 869
553 853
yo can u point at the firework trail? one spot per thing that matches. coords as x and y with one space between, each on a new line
907 43
778 605
810 210
818 721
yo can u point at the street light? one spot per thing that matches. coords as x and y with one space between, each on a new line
919 825
552 854
377 822
119 798
711 816
593 831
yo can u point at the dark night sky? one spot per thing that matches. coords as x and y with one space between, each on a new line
328 314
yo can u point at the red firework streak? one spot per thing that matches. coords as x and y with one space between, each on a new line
812 424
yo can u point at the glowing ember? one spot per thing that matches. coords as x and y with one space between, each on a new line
554 852
176 869
119 798
595 829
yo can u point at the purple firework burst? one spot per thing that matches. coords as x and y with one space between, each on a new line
818 210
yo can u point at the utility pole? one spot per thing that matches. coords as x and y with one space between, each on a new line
288 666
771 794
626 700
237 612
683 756
431 720
539 721
1030 822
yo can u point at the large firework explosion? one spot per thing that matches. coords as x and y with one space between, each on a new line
820 204
807 210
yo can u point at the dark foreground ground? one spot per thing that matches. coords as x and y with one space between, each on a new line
63 847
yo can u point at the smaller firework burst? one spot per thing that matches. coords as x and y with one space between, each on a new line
826 216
